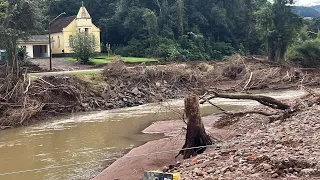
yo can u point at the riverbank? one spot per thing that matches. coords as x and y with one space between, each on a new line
25 101
249 148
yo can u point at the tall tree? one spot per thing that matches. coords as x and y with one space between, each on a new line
18 20
280 25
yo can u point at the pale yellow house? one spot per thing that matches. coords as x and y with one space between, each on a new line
63 29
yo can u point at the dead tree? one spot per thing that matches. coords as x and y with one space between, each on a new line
196 134
264 100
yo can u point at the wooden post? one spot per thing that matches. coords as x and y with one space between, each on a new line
196 135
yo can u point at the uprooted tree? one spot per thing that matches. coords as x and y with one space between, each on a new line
280 111
196 138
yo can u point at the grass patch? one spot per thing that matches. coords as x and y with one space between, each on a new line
89 76
104 59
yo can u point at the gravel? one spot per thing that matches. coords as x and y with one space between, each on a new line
262 150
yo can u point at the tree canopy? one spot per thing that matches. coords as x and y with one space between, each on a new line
189 29
18 20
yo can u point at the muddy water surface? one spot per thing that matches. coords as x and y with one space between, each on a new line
64 145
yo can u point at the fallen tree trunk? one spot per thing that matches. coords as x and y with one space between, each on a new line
264 100
196 135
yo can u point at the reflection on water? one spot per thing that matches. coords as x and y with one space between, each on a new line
87 137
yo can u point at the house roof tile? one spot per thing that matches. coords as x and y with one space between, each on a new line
58 25
36 38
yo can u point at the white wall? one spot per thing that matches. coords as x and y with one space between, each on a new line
29 49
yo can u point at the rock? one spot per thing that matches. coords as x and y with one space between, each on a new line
307 171
293 177
210 171
158 84
225 169
279 146
165 169
121 95
135 91
274 175
198 171
85 105
208 178
266 166
256 175
109 105
290 170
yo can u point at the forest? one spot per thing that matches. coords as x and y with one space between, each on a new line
193 29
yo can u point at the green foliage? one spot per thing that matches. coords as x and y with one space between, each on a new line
22 53
18 20
83 46
173 29
306 53
280 26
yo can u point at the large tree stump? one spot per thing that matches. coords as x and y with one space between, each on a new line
196 135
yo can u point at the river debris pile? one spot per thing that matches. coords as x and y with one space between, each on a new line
138 85
263 149
254 73
22 98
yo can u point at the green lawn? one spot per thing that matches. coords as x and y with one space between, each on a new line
103 59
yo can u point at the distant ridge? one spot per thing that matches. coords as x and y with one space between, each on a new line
307 11
316 8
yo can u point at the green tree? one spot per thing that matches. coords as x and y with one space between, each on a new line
137 27
18 20
280 26
83 46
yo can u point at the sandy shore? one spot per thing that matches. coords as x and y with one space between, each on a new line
134 163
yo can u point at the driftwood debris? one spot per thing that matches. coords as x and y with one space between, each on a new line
264 100
196 135
280 111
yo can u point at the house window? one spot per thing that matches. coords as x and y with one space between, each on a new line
79 30
58 41
52 42
86 30
70 40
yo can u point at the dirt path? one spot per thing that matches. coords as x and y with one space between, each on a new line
64 72
60 64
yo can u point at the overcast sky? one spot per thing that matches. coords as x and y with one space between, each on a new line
307 2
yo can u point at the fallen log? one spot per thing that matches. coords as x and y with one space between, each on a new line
264 100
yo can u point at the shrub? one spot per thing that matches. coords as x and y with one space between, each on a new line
306 53
83 46
22 53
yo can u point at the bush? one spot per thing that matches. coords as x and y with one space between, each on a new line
221 50
168 49
83 46
306 53
22 53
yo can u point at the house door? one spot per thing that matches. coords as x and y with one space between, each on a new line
40 51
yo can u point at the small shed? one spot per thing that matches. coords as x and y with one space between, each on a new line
37 46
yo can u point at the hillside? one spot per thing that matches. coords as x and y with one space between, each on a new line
306 11
317 7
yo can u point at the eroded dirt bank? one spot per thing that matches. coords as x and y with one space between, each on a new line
23 101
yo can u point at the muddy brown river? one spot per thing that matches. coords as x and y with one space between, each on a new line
77 146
